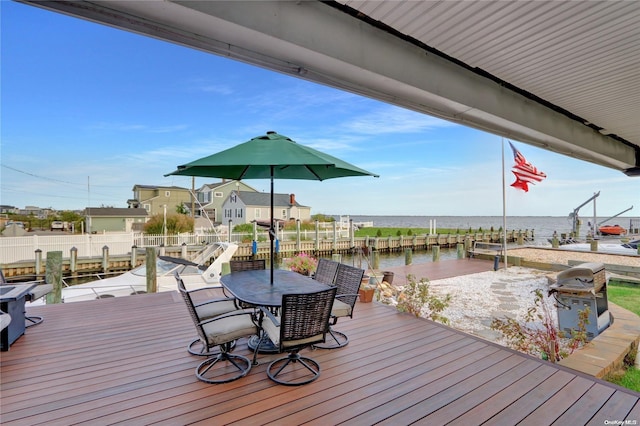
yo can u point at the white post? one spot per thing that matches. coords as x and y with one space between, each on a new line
504 210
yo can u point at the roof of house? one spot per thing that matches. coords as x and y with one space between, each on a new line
264 199
158 187
219 184
115 212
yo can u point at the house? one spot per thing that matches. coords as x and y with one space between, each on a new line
211 197
113 219
245 207
155 199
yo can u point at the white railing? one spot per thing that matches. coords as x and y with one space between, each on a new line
18 249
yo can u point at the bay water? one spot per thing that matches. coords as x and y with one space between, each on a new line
543 227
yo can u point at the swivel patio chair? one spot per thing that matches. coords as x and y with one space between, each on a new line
205 310
326 271
222 331
303 322
247 265
36 293
348 279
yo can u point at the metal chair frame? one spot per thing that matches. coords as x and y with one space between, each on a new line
347 282
303 322
233 329
222 305
326 271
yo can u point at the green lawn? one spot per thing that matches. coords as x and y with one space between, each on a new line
626 296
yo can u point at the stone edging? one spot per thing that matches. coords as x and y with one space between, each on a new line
606 352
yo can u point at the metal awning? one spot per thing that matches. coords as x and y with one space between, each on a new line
564 76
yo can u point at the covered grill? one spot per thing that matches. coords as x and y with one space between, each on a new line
582 286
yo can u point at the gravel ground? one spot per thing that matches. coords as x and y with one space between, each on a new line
564 256
478 298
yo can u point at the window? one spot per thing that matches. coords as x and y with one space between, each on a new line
284 213
238 212
218 194
147 207
167 194
258 214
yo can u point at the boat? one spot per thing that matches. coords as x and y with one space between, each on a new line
612 230
195 274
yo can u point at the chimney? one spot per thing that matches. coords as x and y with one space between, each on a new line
292 199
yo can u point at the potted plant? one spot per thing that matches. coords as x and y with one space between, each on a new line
366 290
302 263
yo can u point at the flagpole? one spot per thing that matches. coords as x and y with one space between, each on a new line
504 211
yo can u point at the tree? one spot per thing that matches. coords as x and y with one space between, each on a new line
176 223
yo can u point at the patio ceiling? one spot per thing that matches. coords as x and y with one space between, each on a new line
564 76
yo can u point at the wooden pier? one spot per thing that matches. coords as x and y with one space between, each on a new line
109 264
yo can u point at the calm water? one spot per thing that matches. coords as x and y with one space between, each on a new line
543 226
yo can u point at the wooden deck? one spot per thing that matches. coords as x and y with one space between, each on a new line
124 360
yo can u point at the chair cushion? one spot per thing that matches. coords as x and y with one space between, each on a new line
231 328
340 309
213 309
5 320
273 331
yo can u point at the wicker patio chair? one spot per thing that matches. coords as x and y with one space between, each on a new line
303 322
205 310
348 279
326 271
222 331
247 265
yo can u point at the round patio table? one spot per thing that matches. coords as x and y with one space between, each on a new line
254 287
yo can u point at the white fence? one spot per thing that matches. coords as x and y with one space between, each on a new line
17 249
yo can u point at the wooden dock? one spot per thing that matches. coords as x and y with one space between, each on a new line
124 361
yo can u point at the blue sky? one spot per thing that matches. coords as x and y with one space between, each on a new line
89 111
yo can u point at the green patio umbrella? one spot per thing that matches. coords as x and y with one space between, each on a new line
272 156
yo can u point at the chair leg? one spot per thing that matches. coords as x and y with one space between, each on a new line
32 320
196 347
335 339
299 376
207 372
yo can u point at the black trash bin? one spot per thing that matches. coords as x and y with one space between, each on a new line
387 276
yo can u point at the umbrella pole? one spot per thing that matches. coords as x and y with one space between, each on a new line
272 229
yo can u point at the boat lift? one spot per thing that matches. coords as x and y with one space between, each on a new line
613 217
575 217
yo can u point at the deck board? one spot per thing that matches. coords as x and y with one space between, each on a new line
124 361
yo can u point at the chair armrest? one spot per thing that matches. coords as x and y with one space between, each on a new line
338 296
217 300
270 316
228 315
206 288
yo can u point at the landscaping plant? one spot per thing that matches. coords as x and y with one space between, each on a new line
416 299
537 335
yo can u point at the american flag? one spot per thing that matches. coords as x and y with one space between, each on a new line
524 171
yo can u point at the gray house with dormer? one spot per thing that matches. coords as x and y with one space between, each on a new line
245 207
212 196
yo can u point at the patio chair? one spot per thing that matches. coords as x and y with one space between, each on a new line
5 320
36 293
247 265
347 282
205 310
303 322
326 271
221 331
